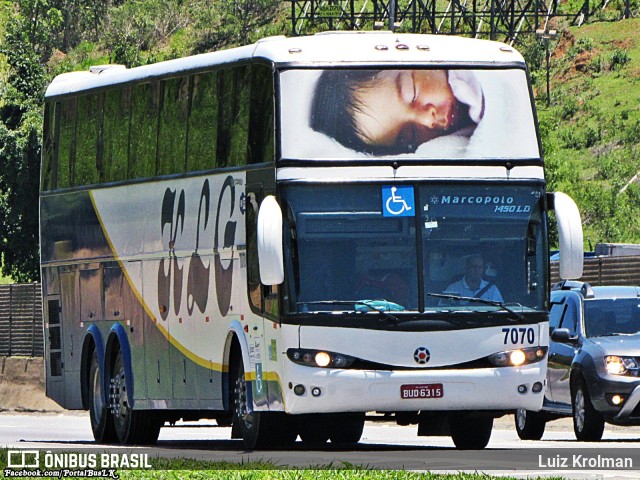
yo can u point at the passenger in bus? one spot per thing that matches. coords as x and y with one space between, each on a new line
472 284
388 112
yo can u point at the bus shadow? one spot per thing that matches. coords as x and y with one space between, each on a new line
298 446
237 446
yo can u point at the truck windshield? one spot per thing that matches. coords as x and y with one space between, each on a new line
414 248
611 317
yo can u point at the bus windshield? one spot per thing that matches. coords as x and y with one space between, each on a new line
414 248
408 113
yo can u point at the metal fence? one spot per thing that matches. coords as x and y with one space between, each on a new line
21 320
606 271
495 19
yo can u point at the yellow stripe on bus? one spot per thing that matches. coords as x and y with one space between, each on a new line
203 362
266 377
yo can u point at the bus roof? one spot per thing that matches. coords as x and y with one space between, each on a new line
323 49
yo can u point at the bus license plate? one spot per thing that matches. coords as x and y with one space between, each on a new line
427 390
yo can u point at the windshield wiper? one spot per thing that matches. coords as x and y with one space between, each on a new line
367 303
500 305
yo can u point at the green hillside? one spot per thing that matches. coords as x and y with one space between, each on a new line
591 131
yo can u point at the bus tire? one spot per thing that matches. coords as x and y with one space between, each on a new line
588 424
347 429
470 432
131 426
529 425
257 429
285 428
224 420
99 413
315 429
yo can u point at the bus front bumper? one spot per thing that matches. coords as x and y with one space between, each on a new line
318 390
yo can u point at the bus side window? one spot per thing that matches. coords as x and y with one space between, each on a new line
240 115
253 269
51 110
263 298
203 122
67 148
261 132
225 95
233 116
144 134
172 135
117 112
271 304
86 141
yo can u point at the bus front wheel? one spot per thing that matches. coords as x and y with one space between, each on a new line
470 432
347 429
101 419
257 429
131 426
315 429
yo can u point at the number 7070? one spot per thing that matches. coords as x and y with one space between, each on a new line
517 336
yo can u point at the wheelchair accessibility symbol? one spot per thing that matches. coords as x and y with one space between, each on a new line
398 202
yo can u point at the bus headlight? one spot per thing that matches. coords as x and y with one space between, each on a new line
516 358
323 359
319 358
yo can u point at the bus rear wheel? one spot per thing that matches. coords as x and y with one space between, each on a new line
131 426
470 432
101 419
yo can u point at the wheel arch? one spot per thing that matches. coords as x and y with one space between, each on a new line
577 375
92 342
118 341
235 344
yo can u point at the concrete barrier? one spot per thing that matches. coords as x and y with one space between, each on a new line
22 386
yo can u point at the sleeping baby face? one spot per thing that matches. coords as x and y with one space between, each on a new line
405 108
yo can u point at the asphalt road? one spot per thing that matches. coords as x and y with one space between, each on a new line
384 445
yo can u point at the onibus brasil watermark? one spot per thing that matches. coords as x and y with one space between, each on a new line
33 463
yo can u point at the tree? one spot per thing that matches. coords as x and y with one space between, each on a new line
19 162
225 23
20 121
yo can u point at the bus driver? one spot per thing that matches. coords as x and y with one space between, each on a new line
472 284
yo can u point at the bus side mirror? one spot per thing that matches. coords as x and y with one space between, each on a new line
570 236
270 254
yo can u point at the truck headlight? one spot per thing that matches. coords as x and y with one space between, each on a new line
616 365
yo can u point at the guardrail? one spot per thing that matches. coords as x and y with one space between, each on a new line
21 332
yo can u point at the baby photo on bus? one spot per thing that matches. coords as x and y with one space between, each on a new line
423 113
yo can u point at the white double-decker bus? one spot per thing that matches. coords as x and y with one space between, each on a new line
288 235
